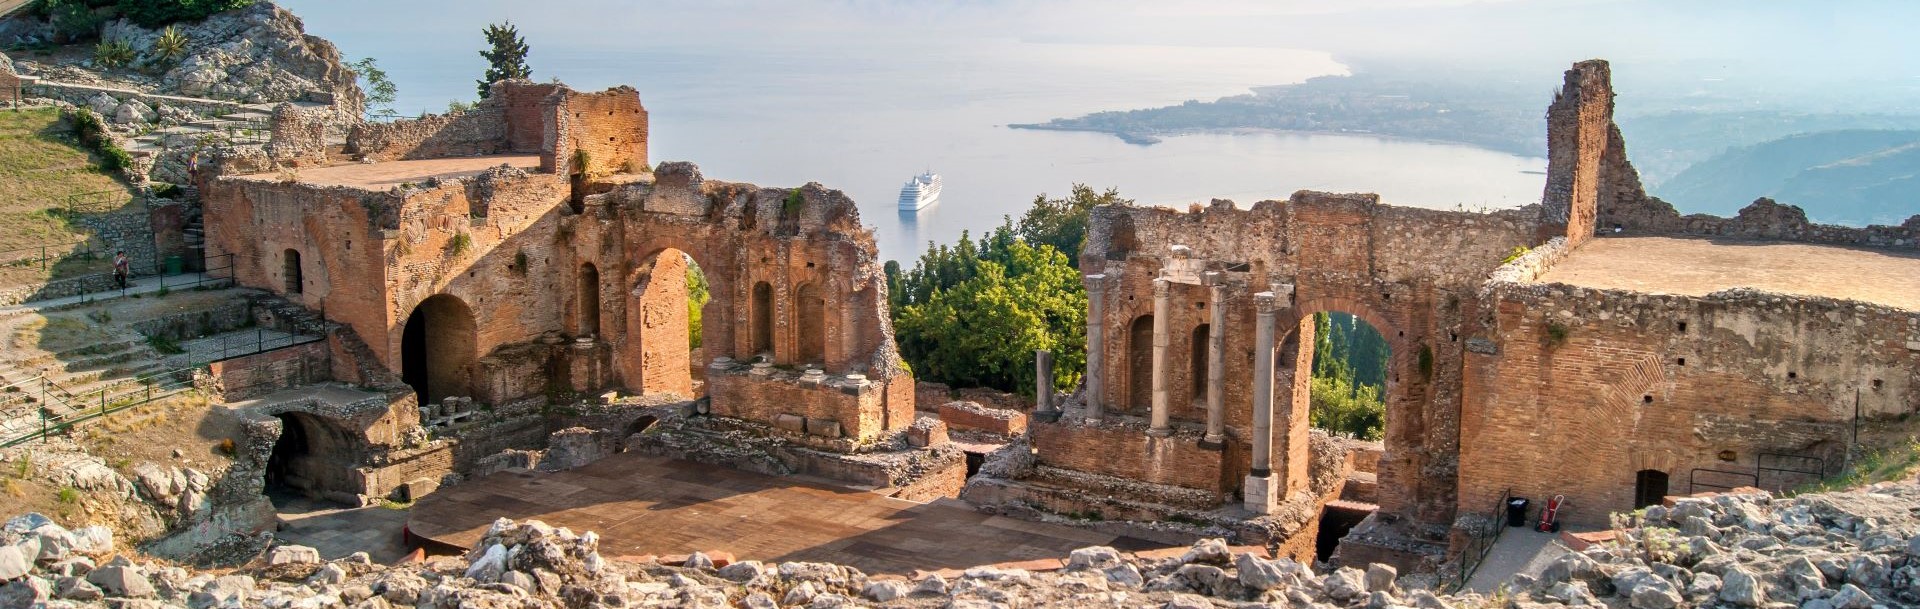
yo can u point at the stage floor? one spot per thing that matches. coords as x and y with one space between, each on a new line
655 506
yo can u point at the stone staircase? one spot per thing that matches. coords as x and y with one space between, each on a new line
247 124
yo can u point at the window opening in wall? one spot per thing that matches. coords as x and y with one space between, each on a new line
1682 326
589 323
1793 375
1681 361
811 320
762 319
1646 399
292 272
1197 362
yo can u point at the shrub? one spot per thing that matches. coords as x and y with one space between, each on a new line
68 495
460 244
113 54
91 130
156 13
171 46
73 20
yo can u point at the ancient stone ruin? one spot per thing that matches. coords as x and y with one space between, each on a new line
506 288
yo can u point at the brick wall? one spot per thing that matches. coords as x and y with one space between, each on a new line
1574 390
1127 452
252 376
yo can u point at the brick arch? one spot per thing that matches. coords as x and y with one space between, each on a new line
654 355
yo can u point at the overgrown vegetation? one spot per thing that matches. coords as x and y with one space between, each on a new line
112 54
91 130
171 46
1557 334
506 56
459 244
50 181
1881 464
164 344
80 20
1349 381
973 314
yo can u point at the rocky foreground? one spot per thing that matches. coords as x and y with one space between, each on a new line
1852 550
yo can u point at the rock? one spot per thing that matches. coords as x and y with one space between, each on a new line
742 572
1739 588
1570 593
1644 590
1703 587
31 521
402 588
1803 578
56 543
77 566
13 563
1204 579
1852 597
800 595
329 574
293 555
1258 573
77 589
1426 599
1187 601
93 540
1380 577
25 592
1095 557
759 600
885 590
490 565
133 112
698 560
1344 584
1212 550
223 591
932 584
520 580
1125 575
121 580
103 104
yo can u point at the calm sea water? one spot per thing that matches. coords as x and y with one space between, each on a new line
861 102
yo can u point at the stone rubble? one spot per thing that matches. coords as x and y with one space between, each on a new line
1850 550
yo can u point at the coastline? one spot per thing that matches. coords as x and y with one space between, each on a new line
1150 138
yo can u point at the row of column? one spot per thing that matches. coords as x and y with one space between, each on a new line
1259 484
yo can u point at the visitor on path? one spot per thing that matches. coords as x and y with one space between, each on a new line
120 269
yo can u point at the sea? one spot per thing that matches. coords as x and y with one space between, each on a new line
861 96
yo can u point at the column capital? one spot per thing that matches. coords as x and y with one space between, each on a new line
1096 282
1266 303
1161 287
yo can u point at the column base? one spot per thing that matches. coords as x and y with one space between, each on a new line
1213 441
1048 416
1160 432
1259 491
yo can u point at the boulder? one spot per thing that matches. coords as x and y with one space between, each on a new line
293 555
1739 588
1380 577
121 580
133 112
13 563
1095 557
1345 584
885 590
1257 573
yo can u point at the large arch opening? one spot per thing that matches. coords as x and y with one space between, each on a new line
588 321
437 349
1140 365
665 322
311 460
1341 368
810 322
283 472
762 320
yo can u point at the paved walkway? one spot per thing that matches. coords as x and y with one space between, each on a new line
1698 267
647 505
1519 550
138 286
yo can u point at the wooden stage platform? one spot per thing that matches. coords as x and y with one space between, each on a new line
647 505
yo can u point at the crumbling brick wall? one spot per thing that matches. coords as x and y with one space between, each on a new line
1580 139
1574 390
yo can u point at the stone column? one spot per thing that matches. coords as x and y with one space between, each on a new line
1096 351
1162 309
1216 361
1042 381
1259 491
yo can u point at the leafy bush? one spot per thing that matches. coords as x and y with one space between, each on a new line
73 20
157 13
91 130
113 54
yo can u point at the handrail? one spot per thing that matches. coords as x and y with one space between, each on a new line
77 410
1480 545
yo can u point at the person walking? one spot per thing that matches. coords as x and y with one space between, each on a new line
120 268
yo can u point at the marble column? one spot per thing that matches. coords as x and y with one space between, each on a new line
1162 339
1259 491
1096 352
1216 361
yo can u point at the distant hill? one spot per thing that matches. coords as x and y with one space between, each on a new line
1852 177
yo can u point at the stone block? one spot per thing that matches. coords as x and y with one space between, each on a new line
927 431
975 416
1261 493
791 422
826 428
416 488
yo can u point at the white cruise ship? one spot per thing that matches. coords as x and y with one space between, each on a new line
921 191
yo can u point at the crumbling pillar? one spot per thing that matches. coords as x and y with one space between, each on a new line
1162 309
1096 352
1043 382
1259 490
1216 361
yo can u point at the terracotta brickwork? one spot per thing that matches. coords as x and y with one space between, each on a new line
504 264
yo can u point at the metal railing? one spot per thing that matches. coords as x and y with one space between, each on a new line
1727 480
50 255
61 410
201 355
1481 544
215 269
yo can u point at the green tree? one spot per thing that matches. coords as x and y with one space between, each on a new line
381 92
1349 376
156 13
1062 223
697 297
507 57
982 330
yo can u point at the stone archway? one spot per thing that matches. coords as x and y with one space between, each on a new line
437 348
662 325
311 458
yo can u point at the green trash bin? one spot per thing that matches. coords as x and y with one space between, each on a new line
174 265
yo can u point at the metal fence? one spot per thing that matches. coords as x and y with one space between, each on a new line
203 354
61 410
1481 544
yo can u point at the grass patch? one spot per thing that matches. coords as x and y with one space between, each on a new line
1887 463
49 178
